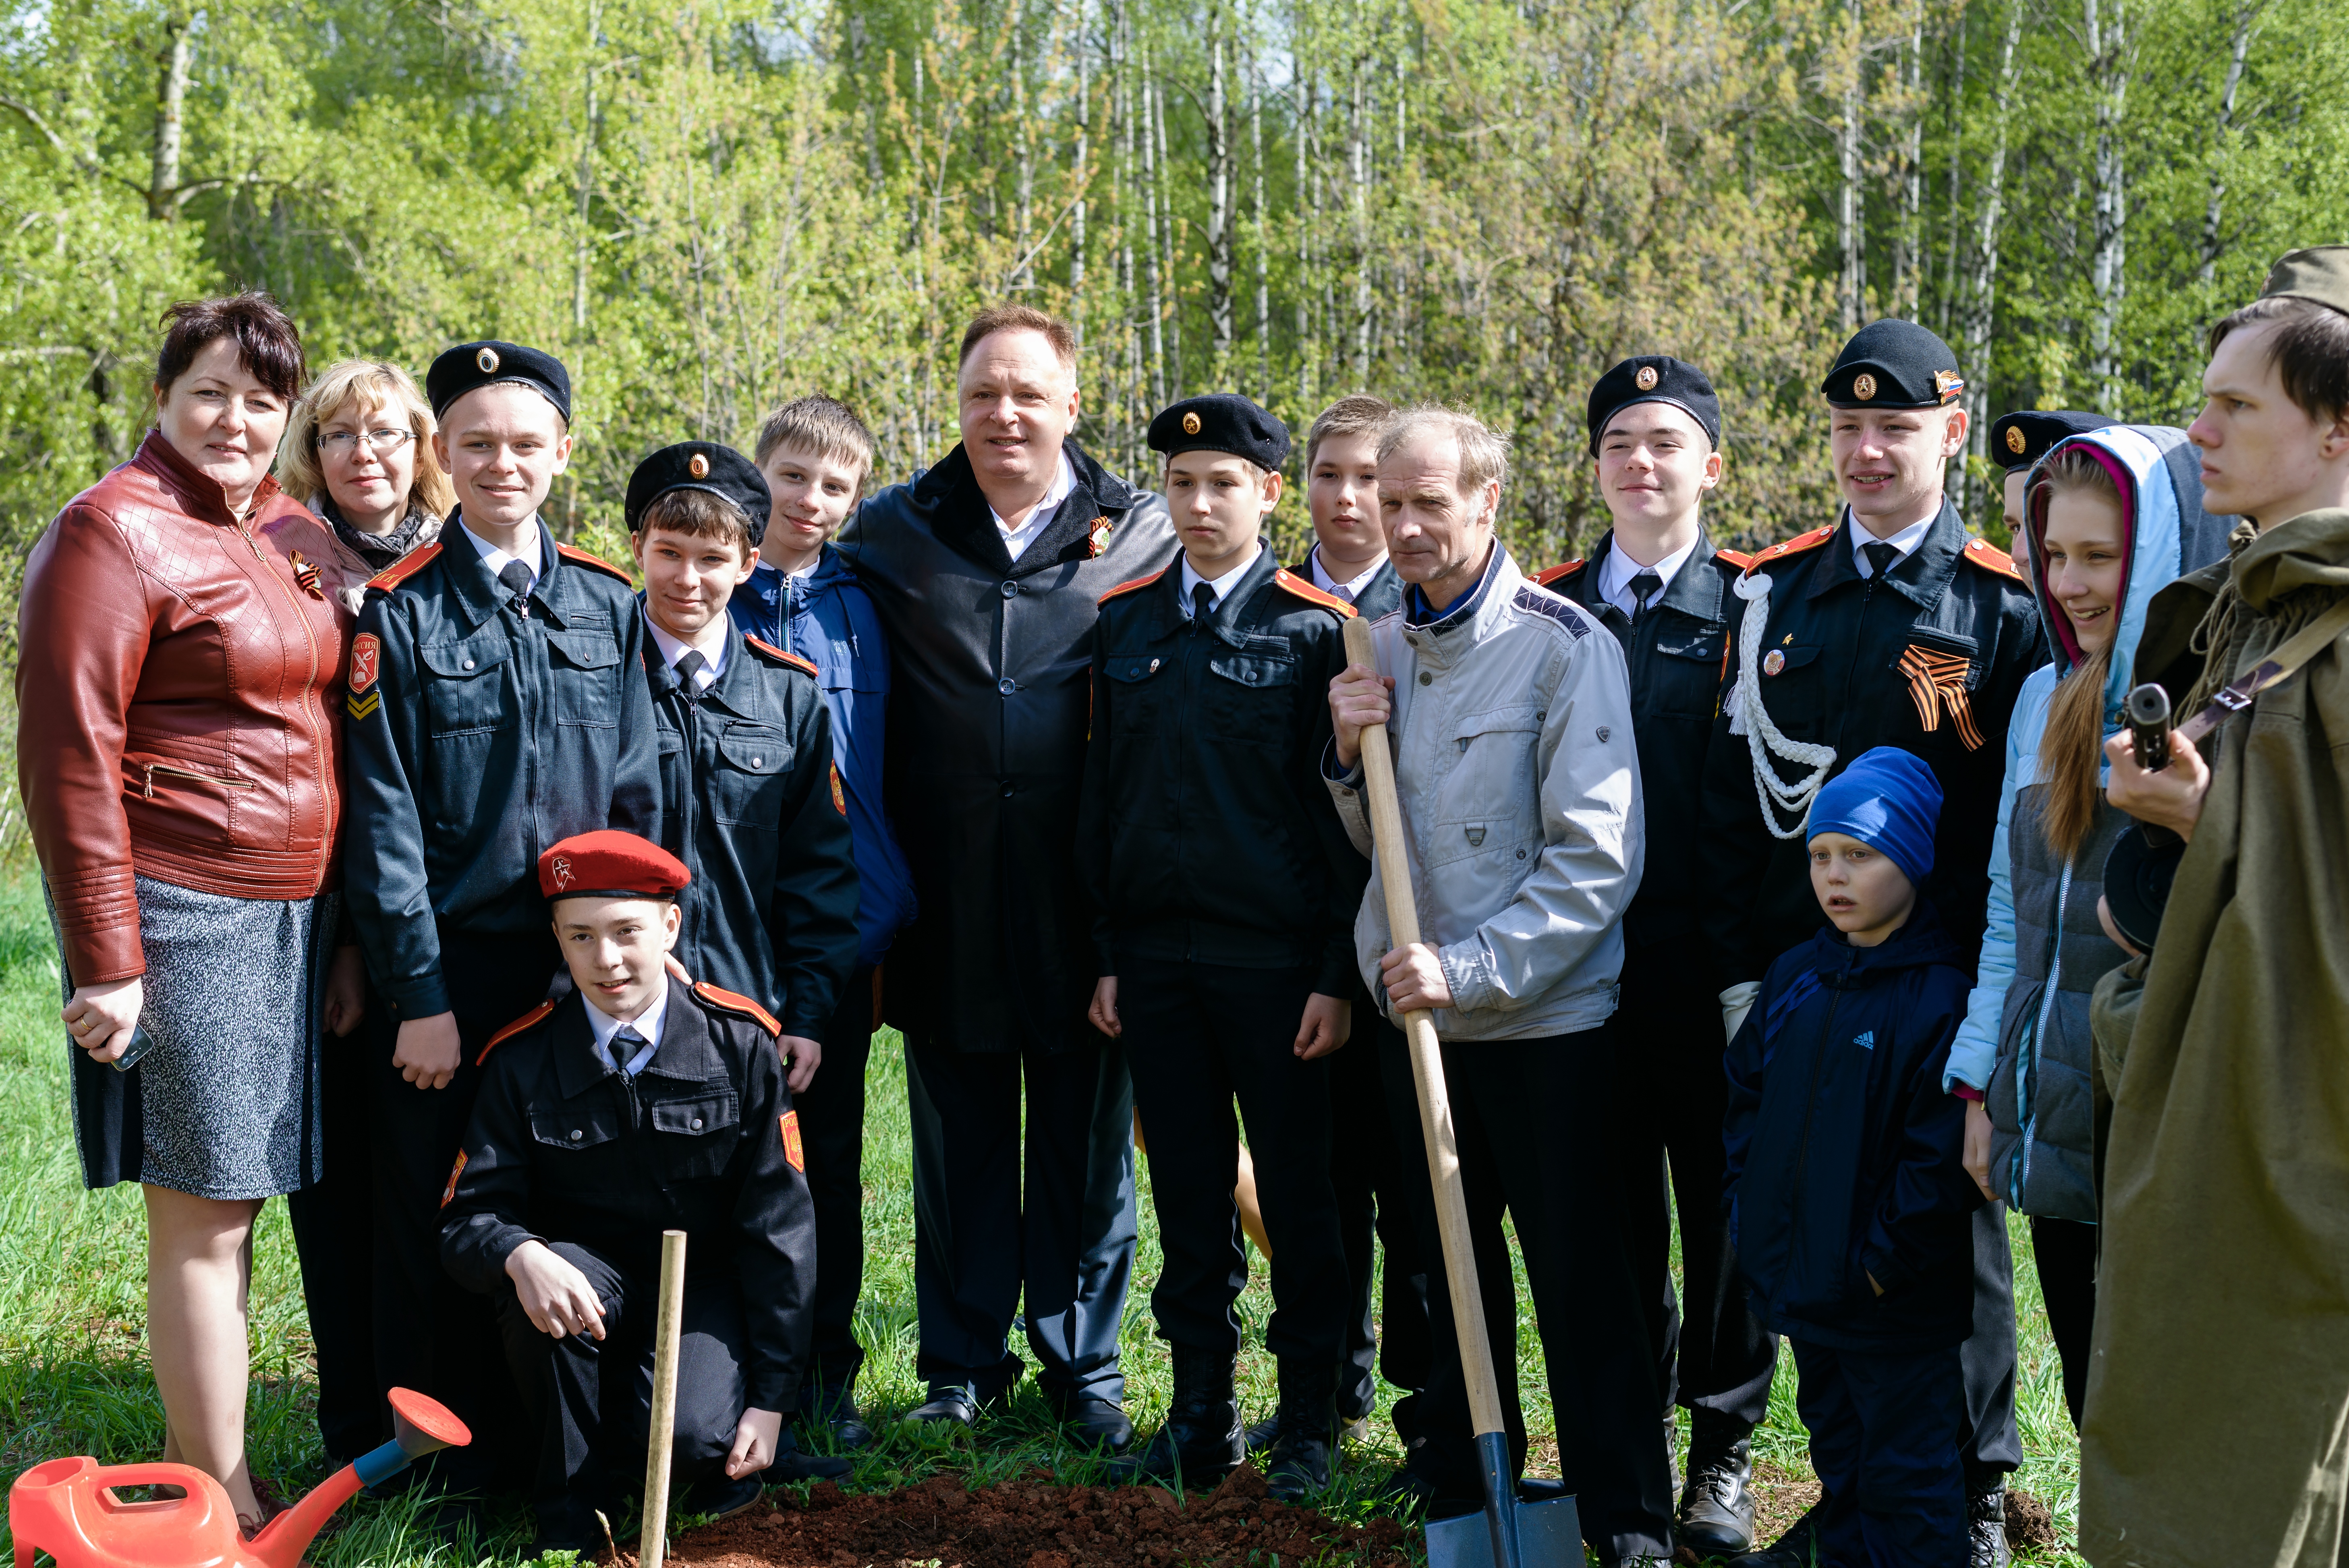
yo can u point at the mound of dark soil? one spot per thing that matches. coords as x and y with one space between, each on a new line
2030 1526
1031 1524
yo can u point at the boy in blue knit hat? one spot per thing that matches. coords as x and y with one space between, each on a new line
1848 1200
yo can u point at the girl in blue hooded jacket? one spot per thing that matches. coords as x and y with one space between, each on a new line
1848 1200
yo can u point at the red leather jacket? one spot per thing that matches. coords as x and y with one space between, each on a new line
178 699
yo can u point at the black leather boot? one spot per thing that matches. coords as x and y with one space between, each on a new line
1986 1527
1716 1515
1200 1442
1798 1548
1308 1430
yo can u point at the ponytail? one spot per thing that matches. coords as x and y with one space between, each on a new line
2071 747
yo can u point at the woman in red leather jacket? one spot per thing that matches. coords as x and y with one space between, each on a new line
179 693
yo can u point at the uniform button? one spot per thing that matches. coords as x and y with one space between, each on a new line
1540 714
1521 854
577 1135
758 762
469 664
1006 686
1425 677
1011 590
1006 791
697 1120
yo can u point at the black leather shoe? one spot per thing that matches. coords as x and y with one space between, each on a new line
1307 1431
794 1464
1798 1548
1716 1513
1986 1529
1094 1423
849 1433
1355 1429
1200 1441
948 1404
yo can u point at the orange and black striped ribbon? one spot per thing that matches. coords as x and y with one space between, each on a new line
1937 681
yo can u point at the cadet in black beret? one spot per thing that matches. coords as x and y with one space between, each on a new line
2017 442
1654 378
1227 891
470 366
700 466
1894 364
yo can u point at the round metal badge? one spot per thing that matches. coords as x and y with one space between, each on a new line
699 466
1772 662
2014 442
487 360
1190 424
1646 378
1863 386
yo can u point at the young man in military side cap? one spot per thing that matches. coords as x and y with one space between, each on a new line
1227 892
636 1104
1892 627
497 703
1657 584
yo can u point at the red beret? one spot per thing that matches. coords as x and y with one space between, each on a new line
608 864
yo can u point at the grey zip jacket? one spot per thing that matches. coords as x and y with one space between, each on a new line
1520 793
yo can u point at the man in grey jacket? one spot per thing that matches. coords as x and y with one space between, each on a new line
1509 711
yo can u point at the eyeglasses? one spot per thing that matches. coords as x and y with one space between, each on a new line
384 443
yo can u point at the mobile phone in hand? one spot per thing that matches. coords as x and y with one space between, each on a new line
142 1042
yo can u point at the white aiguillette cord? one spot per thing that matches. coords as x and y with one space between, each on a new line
1763 738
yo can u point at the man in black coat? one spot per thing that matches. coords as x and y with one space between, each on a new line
985 571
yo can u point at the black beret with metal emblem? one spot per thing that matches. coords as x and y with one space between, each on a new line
1221 422
703 466
471 366
1654 378
2020 439
1893 364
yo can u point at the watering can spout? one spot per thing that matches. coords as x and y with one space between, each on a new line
421 1426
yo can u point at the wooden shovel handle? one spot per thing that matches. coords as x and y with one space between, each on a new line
652 1545
1427 1065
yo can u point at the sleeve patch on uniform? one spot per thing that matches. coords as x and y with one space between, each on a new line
839 800
367 661
792 1150
449 1194
1551 605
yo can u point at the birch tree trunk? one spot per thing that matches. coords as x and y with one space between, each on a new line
1263 233
1219 204
170 110
582 241
1954 205
1851 217
1306 185
1023 152
1358 160
2212 241
1981 295
2109 63
1160 179
1909 264
1080 175
1156 283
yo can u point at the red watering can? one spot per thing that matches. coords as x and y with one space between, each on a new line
67 1509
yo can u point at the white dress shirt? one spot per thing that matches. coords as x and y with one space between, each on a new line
603 1026
1907 540
1615 574
1218 586
672 649
1348 590
526 548
1017 540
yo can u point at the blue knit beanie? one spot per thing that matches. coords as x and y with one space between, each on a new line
1890 801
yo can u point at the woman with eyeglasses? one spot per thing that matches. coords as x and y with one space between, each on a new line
358 452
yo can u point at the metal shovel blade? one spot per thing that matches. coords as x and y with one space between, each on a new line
1549 1535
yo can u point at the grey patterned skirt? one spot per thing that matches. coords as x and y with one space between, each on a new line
226 1102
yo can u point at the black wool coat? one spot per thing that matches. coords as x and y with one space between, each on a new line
988 711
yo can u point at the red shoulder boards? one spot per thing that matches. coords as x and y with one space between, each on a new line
1801 542
1137 582
526 1021
406 567
1549 574
1736 558
1991 558
734 1002
1282 578
578 557
773 651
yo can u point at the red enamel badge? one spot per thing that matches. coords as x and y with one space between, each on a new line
367 659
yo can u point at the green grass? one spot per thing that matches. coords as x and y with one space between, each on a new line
74 1376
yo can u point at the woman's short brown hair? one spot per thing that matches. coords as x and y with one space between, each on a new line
268 344
371 384
2310 350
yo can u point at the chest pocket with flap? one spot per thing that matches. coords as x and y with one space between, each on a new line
585 666
465 685
695 1133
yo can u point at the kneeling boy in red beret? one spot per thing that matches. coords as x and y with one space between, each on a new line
634 1105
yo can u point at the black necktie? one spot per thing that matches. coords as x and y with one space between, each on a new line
689 665
1880 557
1203 607
1644 585
625 1044
517 578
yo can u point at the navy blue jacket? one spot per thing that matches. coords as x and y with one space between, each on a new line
478 736
749 804
828 620
1845 1156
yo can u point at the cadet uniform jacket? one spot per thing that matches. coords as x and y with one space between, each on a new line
479 733
1383 593
1675 657
1930 658
751 804
1206 833
565 1148
991 678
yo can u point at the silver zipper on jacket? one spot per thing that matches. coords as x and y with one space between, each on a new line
225 781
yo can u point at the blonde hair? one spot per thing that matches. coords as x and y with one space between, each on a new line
824 426
1357 414
372 384
2072 746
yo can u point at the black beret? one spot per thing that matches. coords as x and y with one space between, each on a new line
471 366
2021 438
1221 422
703 466
1654 378
1894 364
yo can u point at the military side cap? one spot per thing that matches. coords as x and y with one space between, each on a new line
469 366
1893 364
1221 422
609 864
704 466
1654 378
2320 273
2021 438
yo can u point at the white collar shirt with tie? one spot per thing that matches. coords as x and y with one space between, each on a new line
1217 586
1350 590
1017 540
604 1028
673 649
524 553
1904 542
1615 574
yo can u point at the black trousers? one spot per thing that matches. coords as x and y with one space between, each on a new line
1531 1117
1043 1224
1883 1441
587 1403
1993 1445
432 1335
832 1136
2066 1254
334 1236
1671 1098
1197 1037
1366 1146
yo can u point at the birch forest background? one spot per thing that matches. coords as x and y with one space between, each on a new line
709 205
